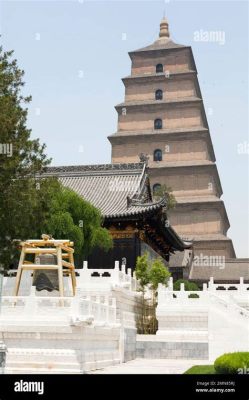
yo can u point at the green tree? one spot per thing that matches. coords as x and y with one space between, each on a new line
142 270
21 159
142 274
150 274
71 217
165 191
158 274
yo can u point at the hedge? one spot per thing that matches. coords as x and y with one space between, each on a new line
232 363
188 286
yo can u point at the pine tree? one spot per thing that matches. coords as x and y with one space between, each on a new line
21 159
29 203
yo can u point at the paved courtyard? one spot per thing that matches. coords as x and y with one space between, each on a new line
148 366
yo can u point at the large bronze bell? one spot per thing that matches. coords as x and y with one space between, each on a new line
46 279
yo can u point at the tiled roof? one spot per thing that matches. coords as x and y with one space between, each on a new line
95 169
115 189
232 270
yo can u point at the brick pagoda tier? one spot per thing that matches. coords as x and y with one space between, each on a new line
163 116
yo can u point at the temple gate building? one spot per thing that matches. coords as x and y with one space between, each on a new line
163 117
136 222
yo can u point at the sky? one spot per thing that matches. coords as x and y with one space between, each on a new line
74 54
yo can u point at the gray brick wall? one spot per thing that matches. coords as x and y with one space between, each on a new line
171 350
130 344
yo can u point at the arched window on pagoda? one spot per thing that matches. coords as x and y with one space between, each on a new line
159 94
158 124
157 155
159 68
156 188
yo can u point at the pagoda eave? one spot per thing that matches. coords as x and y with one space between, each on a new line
158 76
155 50
173 131
152 103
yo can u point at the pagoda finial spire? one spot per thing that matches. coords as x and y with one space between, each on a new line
164 28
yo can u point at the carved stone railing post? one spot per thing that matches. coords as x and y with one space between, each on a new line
211 283
241 284
170 283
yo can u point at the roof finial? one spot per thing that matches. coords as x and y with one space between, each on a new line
164 28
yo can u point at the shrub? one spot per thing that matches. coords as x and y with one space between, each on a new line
193 296
189 286
232 363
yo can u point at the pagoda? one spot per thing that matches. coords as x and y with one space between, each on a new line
163 118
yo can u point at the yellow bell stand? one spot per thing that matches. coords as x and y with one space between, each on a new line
61 249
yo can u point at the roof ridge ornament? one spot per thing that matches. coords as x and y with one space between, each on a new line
144 158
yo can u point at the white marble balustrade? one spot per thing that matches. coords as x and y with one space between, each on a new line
96 309
213 316
107 277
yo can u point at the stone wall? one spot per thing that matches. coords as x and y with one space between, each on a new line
175 61
186 223
178 89
60 349
148 346
130 340
172 150
177 117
